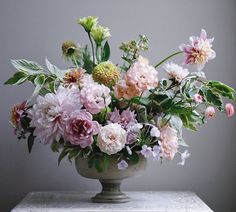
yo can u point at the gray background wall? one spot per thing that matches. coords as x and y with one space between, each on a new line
34 29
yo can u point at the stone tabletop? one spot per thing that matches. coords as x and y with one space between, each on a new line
155 201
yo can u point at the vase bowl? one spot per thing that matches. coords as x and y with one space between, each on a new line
111 178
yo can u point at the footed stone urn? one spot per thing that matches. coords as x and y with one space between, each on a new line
110 179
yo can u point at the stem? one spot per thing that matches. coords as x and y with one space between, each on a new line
75 61
97 53
167 58
92 46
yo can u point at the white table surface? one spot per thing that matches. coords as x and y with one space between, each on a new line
150 201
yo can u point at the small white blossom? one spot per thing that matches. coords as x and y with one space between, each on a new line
184 156
155 132
129 150
146 151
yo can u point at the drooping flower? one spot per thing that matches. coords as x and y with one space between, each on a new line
111 138
210 112
168 142
74 76
125 90
155 132
184 156
80 128
142 75
100 33
106 73
198 98
175 71
17 112
69 48
229 109
50 113
122 165
95 97
88 22
146 151
199 51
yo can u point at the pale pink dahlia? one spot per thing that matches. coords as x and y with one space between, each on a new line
168 142
50 113
142 75
175 71
80 128
95 97
199 51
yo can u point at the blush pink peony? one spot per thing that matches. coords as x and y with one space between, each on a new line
142 75
168 142
95 97
80 128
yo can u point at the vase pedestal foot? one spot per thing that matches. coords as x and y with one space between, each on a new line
110 193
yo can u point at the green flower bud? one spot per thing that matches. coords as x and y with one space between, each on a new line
88 22
106 73
100 33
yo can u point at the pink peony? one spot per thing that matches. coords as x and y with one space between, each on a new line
168 142
95 97
198 98
210 112
80 128
142 75
229 109
199 51
50 113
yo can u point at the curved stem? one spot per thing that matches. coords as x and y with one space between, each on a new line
167 58
90 39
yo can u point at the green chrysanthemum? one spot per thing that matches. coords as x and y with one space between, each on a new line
106 73
69 48
100 33
88 22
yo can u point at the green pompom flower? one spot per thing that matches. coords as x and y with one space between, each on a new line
100 33
106 73
88 22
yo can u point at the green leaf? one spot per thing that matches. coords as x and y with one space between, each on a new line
106 52
55 146
105 161
214 99
18 78
30 142
134 158
98 166
88 63
62 155
27 66
74 153
39 80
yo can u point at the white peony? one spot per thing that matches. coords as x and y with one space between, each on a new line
175 71
111 138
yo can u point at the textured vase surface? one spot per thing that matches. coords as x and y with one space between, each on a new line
110 179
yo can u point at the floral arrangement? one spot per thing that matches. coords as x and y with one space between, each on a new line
96 109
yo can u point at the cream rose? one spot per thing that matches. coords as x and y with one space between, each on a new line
111 138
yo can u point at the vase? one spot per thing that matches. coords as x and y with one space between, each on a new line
110 179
